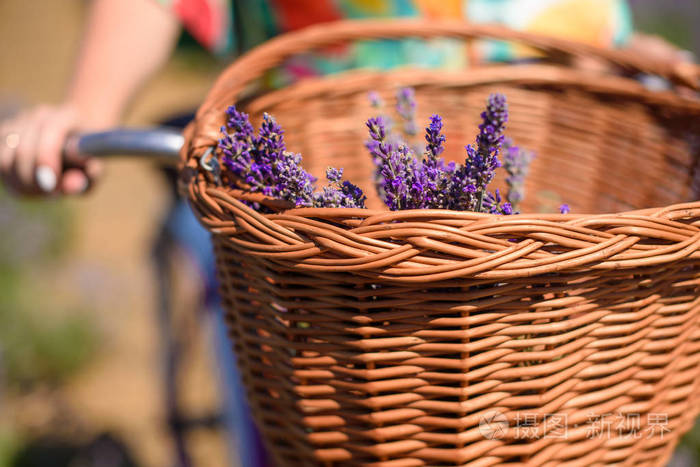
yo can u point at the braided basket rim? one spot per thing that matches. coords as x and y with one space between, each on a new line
277 239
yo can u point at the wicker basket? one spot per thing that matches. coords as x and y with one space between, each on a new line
412 338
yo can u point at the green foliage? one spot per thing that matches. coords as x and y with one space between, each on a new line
36 351
691 440
36 347
671 25
9 445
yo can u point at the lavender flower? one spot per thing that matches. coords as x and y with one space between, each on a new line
564 209
494 119
483 161
239 123
434 138
237 147
375 100
405 183
286 179
378 137
438 175
379 147
339 193
334 175
403 180
271 137
262 163
462 196
378 144
495 205
469 182
406 108
400 177
516 161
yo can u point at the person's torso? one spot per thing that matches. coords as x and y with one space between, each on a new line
231 27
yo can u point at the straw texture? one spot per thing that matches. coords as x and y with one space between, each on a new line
413 338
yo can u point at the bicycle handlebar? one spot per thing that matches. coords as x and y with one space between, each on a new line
160 144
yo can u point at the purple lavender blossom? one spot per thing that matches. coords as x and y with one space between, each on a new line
377 131
564 209
406 108
375 100
400 177
379 148
263 164
462 195
271 137
406 183
483 161
237 146
434 138
339 193
378 144
403 180
239 123
469 182
378 103
516 161
284 177
495 205
334 175
438 175
494 119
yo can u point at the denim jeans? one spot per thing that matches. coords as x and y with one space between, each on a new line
243 438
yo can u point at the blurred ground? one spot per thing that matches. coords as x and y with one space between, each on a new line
104 269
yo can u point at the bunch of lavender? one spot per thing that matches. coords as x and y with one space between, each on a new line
400 175
479 169
439 175
262 164
406 129
407 183
406 108
403 181
516 161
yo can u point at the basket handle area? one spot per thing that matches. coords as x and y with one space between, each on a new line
255 63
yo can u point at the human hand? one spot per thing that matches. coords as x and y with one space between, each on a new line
31 147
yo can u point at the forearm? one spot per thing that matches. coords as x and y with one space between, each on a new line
125 43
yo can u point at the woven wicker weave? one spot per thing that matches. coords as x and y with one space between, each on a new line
414 338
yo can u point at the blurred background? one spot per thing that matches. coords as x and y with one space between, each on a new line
80 362
80 358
